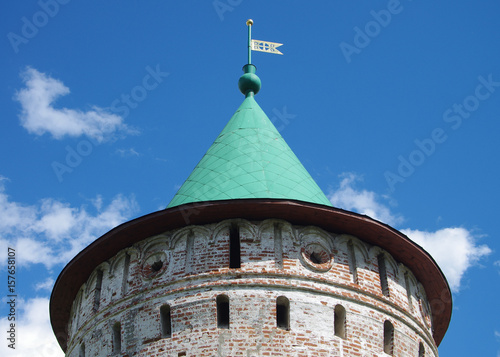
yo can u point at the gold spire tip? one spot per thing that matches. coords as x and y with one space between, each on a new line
249 22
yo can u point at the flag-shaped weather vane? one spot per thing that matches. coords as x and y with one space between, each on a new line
262 46
249 83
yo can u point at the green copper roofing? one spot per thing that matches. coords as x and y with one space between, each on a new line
249 159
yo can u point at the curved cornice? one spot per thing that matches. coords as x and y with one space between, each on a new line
331 219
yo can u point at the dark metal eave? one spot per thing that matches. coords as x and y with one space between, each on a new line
331 219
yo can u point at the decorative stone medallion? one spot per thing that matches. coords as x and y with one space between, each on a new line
316 257
154 265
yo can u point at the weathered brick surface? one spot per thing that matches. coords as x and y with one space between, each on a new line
188 268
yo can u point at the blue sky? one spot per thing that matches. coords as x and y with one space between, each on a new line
393 107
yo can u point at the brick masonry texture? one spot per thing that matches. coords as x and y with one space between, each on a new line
188 268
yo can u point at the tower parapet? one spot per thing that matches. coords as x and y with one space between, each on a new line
291 288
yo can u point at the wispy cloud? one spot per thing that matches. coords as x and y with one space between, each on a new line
455 249
39 116
52 232
45 285
35 333
362 201
127 152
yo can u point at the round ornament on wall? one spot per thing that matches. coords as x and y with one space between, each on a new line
316 257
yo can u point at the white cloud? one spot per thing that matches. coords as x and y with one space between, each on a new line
34 336
57 219
45 285
39 115
52 232
127 152
454 249
364 202
49 232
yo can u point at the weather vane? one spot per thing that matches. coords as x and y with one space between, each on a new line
262 46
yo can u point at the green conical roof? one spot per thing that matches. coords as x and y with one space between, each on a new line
249 159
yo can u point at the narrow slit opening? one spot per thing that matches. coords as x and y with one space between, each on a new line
117 338
222 311
388 338
283 313
97 292
166 321
234 247
82 351
383 274
352 262
421 350
339 321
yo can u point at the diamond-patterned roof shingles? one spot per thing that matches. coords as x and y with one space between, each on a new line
249 159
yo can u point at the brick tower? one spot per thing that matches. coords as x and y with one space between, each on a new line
251 259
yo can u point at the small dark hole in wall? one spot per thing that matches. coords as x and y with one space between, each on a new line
181 354
315 258
156 266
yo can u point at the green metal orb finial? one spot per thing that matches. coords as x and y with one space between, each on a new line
249 82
